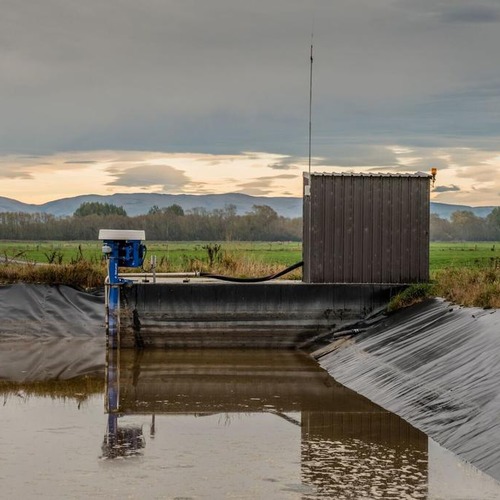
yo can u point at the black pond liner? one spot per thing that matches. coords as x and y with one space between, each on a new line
438 367
50 332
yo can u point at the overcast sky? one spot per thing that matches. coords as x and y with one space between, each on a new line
185 96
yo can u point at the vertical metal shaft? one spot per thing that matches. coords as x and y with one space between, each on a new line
310 105
113 311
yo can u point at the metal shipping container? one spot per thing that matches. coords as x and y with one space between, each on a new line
366 228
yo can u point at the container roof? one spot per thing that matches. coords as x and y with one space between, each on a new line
367 174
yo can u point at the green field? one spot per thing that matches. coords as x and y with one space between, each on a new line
180 254
464 254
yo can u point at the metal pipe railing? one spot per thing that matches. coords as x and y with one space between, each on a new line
194 274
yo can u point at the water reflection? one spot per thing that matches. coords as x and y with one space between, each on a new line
348 447
119 441
208 424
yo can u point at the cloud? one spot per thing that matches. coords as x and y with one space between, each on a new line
446 11
480 173
262 185
288 163
19 167
470 14
355 154
148 176
80 162
444 189
224 77
27 166
7 172
203 78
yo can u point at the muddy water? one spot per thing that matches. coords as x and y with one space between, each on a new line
216 424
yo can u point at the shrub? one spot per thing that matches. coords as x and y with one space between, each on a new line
414 294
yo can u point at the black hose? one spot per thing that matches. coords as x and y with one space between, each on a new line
253 280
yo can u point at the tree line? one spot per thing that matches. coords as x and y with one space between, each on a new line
464 225
262 223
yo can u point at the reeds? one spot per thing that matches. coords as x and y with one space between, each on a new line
79 389
240 266
82 274
479 287
468 286
89 275
412 295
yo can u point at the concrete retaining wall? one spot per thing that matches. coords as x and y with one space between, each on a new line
274 314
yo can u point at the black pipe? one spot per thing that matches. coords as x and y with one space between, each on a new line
253 280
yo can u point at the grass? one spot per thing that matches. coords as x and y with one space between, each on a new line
48 252
79 389
179 254
79 275
81 264
464 273
469 254
176 254
412 295
469 286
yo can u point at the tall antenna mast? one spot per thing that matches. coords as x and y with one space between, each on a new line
310 102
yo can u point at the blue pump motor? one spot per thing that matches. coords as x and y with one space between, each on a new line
123 246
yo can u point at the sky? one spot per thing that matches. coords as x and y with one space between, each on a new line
197 97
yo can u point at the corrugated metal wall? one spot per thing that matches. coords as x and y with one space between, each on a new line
366 228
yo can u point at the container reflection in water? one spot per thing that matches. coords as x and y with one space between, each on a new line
259 406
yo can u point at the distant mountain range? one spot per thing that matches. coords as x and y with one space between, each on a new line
138 204
444 210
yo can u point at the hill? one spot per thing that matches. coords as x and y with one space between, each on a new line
444 210
140 203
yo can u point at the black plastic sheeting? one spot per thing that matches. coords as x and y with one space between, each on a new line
51 359
438 367
50 332
44 310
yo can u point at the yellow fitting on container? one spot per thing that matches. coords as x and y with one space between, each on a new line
433 173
